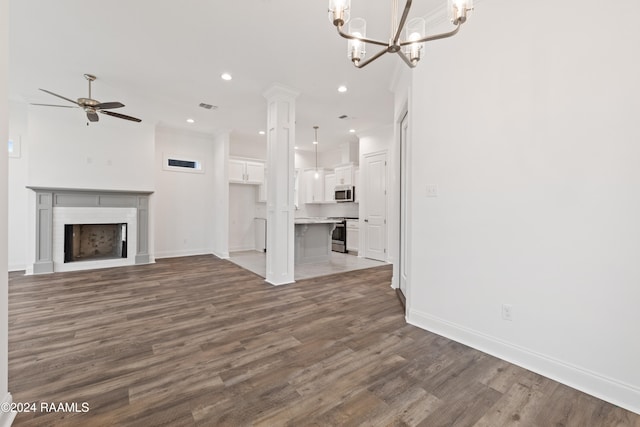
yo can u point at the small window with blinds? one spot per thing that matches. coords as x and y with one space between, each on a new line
181 164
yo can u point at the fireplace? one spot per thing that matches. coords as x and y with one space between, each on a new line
84 242
80 229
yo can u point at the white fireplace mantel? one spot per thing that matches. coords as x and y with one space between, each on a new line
48 198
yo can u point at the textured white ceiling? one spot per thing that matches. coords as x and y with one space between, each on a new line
162 58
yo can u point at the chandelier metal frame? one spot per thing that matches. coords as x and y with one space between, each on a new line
459 11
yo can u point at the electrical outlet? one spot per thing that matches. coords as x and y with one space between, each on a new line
507 312
432 190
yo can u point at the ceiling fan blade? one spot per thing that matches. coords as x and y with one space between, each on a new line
92 116
109 105
52 105
120 116
59 96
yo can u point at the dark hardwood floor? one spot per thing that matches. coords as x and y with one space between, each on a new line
200 341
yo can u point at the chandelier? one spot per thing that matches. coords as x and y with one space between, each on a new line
410 48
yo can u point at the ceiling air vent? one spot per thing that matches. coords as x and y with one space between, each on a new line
208 106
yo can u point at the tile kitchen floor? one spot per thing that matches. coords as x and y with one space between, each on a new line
256 262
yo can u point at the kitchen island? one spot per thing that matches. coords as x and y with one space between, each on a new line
313 239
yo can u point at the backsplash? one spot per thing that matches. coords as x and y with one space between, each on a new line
328 209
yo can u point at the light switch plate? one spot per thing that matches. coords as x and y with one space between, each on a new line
432 190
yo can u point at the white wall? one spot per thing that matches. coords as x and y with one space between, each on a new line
242 214
183 201
527 123
239 147
328 159
5 418
111 154
18 193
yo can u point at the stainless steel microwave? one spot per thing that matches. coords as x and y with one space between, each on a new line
344 193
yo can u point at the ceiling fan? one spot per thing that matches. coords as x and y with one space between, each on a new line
91 106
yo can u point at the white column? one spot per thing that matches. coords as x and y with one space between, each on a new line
281 119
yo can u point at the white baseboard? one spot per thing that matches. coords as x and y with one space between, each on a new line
285 282
181 253
242 249
600 386
221 255
17 268
6 418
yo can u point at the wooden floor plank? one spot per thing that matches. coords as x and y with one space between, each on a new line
200 341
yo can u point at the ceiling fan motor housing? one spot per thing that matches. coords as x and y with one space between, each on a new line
88 102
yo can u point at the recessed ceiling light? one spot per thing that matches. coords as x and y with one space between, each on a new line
190 121
295 148
342 89
226 76
352 131
261 132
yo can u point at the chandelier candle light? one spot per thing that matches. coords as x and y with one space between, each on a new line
409 49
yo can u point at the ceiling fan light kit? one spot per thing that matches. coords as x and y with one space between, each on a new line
91 106
410 48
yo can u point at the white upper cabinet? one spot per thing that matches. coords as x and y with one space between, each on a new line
246 171
329 187
236 170
344 175
314 186
255 172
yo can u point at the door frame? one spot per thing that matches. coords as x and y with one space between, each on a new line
404 205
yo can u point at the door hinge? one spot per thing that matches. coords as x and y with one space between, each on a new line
385 250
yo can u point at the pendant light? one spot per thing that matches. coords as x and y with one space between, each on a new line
315 142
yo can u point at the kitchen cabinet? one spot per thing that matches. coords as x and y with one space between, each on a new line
313 239
243 171
353 235
344 175
329 187
314 186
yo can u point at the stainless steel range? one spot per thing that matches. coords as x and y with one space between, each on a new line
339 236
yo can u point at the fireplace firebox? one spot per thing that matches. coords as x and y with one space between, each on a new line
90 242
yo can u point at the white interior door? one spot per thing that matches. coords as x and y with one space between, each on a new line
375 197
404 175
